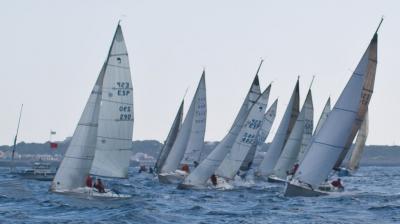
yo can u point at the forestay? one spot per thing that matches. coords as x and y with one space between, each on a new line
343 121
173 132
78 158
262 135
301 132
114 135
285 127
191 135
360 144
246 138
206 168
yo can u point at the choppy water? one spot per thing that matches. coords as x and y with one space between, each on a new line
372 196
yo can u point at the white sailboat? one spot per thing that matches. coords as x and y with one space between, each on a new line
262 135
339 128
246 139
189 142
298 138
199 176
169 142
102 141
285 127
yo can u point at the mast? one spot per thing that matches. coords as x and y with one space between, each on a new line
16 136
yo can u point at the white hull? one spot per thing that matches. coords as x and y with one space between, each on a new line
172 178
92 193
275 179
222 184
294 190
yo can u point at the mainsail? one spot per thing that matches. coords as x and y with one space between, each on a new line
173 132
343 121
246 138
115 125
190 138
206 168
300 134
262 135
281 136
360 144
78 158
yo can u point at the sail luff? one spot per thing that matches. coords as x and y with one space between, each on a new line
173 132
343 121
285 127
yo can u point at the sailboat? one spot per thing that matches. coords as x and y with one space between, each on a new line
189 141
285 127
102 142
169 142
262 135
198 178
339 128
298 138
12 168
246 139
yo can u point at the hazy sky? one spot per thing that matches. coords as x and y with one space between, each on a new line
51 53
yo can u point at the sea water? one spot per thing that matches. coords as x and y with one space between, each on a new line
372 195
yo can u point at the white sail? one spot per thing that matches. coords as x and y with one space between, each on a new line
262 135
285 127
191 136
173 132
360 144
304 124
77 161
343 121
206 168
196 139
324 115
307 136
114 134
246 139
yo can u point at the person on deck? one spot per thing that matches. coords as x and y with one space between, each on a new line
185 168
294 170
337 183
89 181
214 180
99 186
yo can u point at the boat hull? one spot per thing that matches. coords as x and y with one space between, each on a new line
293 190
92 193
36 176
172 178
275 179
